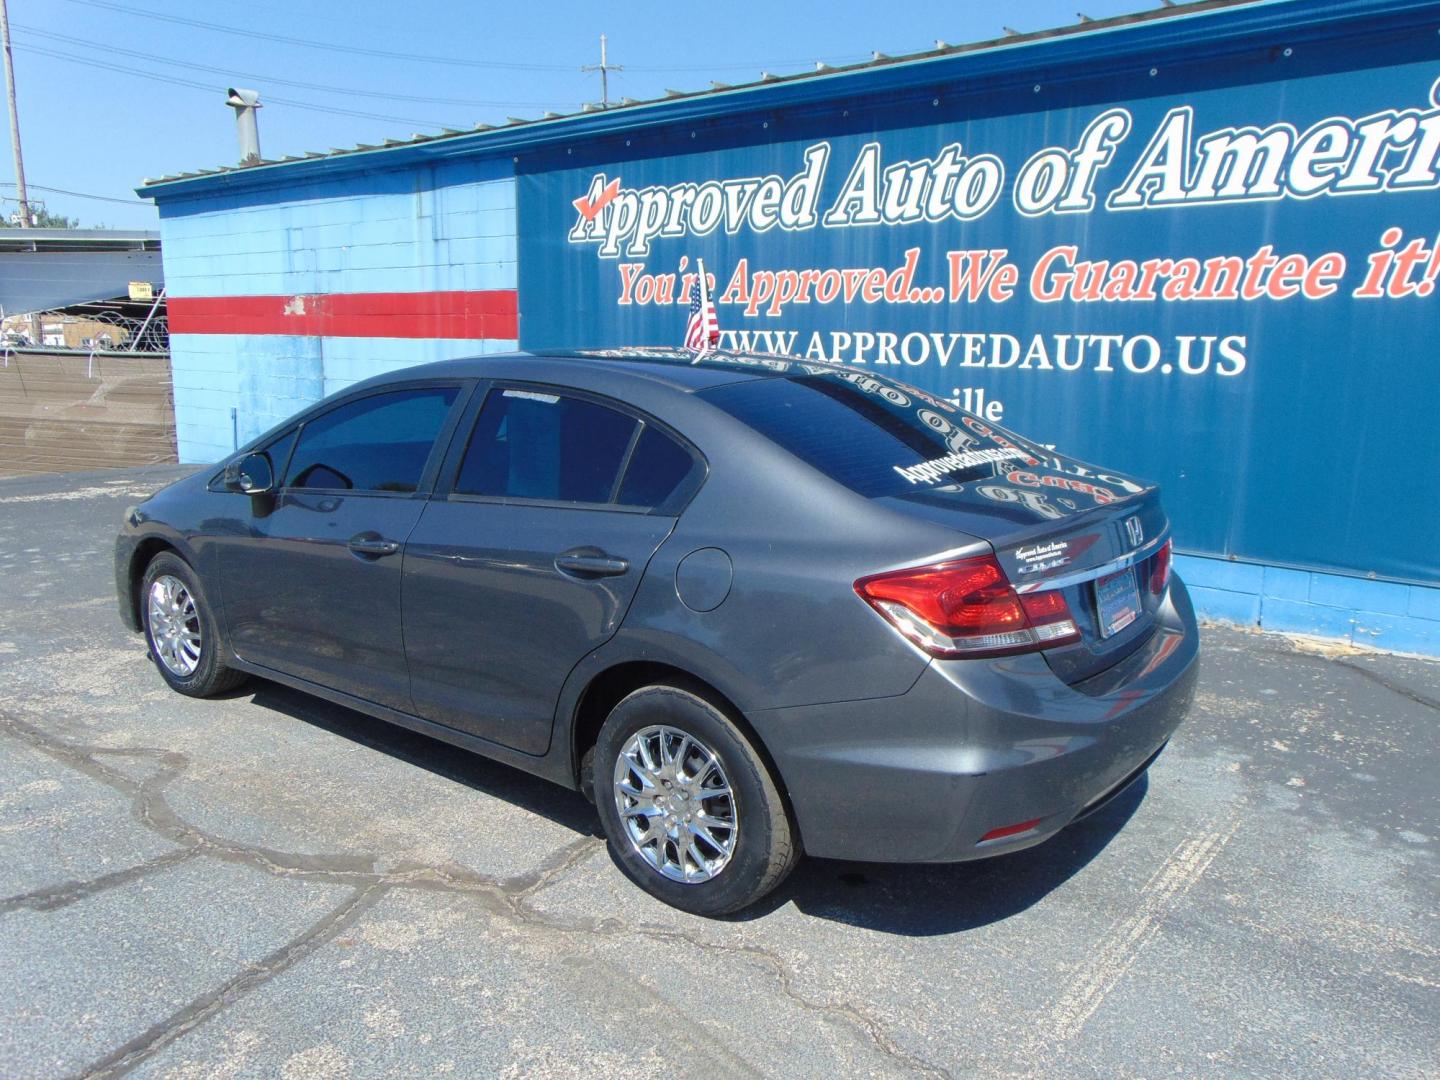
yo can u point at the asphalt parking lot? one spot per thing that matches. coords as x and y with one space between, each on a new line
270 885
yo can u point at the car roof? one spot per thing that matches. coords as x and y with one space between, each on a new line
678 368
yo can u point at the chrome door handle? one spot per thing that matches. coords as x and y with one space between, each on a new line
372 544
590 565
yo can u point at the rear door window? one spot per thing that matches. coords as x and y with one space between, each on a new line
376 443
538 444
657 469
531 444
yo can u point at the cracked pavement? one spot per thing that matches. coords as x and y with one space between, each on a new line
267 884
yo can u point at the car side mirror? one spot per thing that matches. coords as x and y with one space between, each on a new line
251 475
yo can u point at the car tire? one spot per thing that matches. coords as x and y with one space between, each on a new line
180 630
729 867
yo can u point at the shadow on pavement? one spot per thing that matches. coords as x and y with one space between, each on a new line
551 801
922 900
912 900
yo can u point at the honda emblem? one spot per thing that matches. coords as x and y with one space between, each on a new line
1135 531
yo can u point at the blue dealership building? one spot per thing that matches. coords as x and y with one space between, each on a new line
1199 244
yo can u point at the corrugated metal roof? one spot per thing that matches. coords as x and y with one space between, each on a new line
44 269
45 280
79 240
658 110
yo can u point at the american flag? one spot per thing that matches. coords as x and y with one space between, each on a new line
702 332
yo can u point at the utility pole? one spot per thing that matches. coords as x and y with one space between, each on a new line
604 67
25 221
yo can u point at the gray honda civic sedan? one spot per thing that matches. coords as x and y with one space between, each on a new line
752 606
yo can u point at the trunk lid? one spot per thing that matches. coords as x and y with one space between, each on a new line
1100 556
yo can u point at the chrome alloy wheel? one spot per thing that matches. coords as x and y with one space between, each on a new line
676 804
174 626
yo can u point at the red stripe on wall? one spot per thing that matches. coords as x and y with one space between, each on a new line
467 315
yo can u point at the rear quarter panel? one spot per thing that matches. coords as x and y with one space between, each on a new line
791 630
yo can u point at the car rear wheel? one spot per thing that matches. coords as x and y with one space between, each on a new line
180 630
691 811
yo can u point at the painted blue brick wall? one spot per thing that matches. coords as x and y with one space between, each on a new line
448 226
206 375
444 226
1376 614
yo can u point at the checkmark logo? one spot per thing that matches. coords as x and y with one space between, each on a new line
589 209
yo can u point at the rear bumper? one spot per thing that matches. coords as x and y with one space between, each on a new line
980 745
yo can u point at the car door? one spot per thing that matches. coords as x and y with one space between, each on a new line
530 551
311 587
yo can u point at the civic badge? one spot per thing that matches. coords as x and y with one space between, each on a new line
1135 530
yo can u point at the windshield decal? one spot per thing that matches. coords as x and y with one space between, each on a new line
935 470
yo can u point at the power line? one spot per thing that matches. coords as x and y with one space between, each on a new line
322 87
209 88
745 65
427 58
328 46
80 194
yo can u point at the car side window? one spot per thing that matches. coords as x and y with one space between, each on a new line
376 443
530 444
657 468
279 449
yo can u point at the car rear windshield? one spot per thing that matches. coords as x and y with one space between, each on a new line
876 437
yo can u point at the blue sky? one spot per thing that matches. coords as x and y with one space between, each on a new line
113 91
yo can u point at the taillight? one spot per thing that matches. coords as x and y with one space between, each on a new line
1160 572
968 608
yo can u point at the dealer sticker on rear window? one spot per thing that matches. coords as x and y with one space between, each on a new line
936 469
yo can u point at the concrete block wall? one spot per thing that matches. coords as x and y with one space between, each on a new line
447 228
1375 614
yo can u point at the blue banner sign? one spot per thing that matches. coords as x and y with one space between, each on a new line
1226 285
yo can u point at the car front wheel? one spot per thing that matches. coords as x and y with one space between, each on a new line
689 807
180 629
